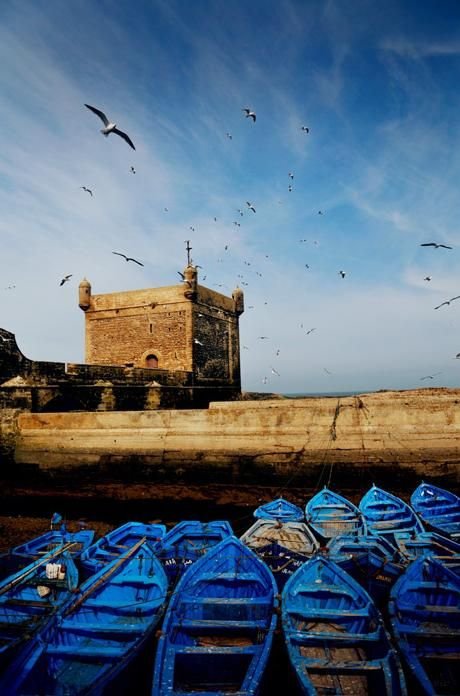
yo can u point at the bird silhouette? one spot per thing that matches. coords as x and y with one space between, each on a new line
87 190
310 330
342 274
132 170
195 340
262 337
66 279
427 278
291 175
275 372
436 245
250 114
250 206
447 302
305 129
127 258
229 135
430 376
110 127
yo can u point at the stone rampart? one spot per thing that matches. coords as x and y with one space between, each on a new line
382 437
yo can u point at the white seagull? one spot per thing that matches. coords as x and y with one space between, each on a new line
250 206
250 114
342 274
110 127
305 129
65 279
87 190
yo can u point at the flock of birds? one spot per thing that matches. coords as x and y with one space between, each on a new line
111 128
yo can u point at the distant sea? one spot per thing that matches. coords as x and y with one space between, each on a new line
303 395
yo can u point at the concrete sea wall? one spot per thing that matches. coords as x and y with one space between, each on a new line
387 437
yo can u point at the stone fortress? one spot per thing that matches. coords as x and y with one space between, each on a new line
186 328
168 347
160 397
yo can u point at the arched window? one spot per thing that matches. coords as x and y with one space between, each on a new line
151 360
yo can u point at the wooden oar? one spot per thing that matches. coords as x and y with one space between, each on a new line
104 577
26 574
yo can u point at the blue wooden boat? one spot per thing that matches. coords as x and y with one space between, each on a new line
91 642
284 546
413 546
20 556
116 542
186 542
424 611
371 560
29 597
219 626
279 509
335 637
329 515
438 508
386 514
34 548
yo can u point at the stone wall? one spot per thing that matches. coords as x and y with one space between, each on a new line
384 437
191 331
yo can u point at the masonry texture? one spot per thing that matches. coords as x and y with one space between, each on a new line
390 438
181 327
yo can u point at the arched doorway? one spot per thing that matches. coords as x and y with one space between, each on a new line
151 360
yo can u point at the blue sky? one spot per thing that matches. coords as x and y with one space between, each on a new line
377 85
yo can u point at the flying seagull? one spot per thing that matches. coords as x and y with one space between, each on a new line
430 376
305 129
310 330
65 279
195 340
128 258
291 175
342 274
250 114
447 302
427 278
110 127
132 170
250 206
229 135
275 372
87 190
458 355
436 246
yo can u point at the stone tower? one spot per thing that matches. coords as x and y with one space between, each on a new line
179 327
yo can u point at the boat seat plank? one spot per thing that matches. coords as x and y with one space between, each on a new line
310 638
240 577
98 628
96 651
212 623
425 632
332 614
358 666
217 649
